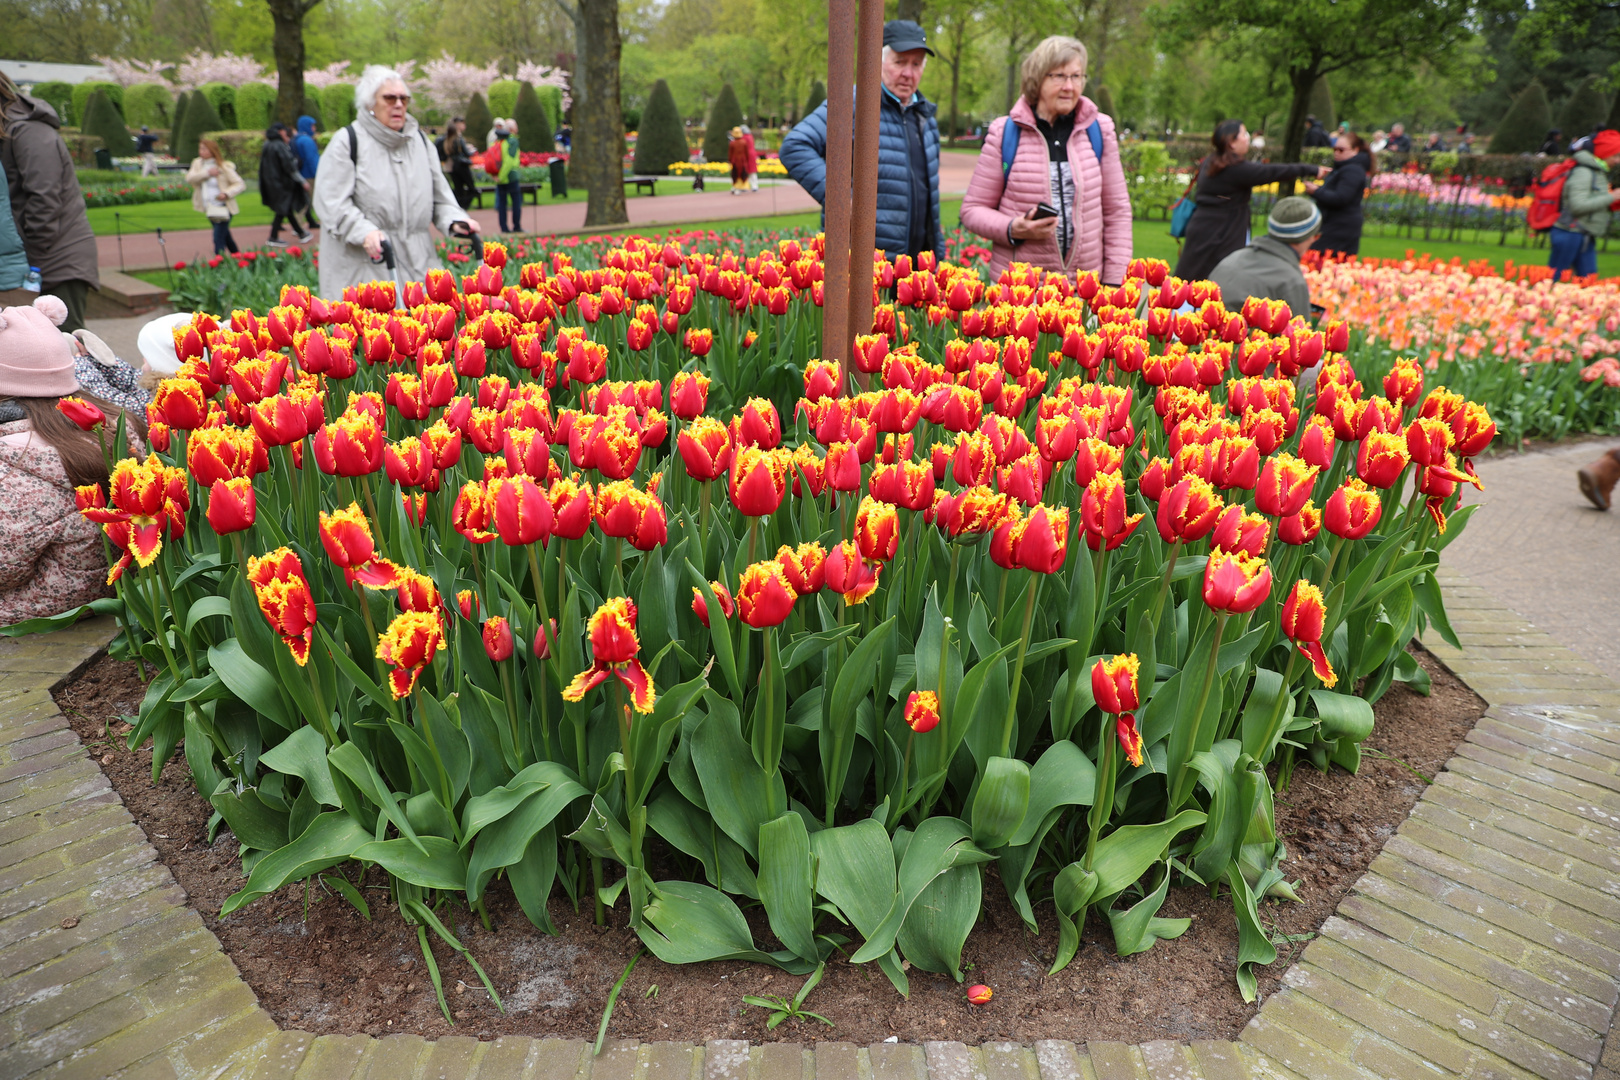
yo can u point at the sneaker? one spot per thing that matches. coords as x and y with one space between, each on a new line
273 242
305 237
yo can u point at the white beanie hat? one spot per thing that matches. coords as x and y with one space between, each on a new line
156 343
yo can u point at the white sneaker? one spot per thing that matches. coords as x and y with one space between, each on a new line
276 243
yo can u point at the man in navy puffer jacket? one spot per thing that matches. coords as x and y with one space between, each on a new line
908 150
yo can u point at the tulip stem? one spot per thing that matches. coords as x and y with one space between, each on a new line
950 590
1184 777
1274 721
519 757
1164 586
1333 558
703 527
1102 805
1009 724
157 625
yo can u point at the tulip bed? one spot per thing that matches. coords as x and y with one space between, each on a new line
1544 356
556 576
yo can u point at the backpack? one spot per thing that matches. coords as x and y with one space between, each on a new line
354 144
1009 146
492 159
1547 195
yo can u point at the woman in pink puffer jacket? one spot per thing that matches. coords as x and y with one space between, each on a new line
1057 165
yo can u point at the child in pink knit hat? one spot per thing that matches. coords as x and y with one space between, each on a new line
51 558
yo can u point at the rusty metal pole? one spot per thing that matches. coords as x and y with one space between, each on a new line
835 336
863 216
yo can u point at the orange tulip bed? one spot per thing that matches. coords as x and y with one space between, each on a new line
603 584
1543 355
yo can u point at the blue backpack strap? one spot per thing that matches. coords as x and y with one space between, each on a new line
1009 148
1094 133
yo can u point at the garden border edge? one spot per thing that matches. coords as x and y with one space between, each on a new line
1483 941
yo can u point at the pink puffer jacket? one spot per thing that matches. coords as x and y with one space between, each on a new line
1102 205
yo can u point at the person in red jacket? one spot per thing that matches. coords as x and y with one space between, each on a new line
737 154
1068 158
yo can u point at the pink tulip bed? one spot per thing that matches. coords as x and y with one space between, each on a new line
546 597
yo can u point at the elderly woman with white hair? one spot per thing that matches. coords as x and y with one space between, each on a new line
1049 188
380 179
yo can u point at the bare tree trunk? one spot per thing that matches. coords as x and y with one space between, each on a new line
598 155
288 17
1303 79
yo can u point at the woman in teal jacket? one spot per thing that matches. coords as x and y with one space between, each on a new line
13 260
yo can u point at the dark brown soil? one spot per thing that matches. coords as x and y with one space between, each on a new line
324 969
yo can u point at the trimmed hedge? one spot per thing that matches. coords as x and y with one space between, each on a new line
337 106
151 104
255 105
503 97
1525 124
661 141
201 119
81 98
102 121
534 126
1585 110
551 99
479 121
59 95
222 96
725 115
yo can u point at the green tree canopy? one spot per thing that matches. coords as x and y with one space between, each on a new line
103 121
1526 123
1310 40
662 138
725 115
534 127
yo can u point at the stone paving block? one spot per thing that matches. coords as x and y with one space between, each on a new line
89 1027
1062 1060
56 1002
784 1061
1467 989
1541 733
725 1059
897 1061
158 1068
1006 1061
1168 1060
1557 774
164 1029
227 1043
450 1058
1297 1053
30 858
19 827
280 1058
1490 1034
1116 1061
122 859
1383 1058
1354 1003
955 1061
1290 1008
508 1057
128 944
63 754
1531 784
671 1061
333 1057
618 1060
837 1061
1219 1060
391 1057
1494 852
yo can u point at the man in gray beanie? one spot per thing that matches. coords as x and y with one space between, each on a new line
1269 266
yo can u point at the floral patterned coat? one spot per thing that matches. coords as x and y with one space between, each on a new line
51 559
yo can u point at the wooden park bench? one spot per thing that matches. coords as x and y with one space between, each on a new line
649 184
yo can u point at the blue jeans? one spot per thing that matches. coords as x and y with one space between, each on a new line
511 191
1572 250
224 242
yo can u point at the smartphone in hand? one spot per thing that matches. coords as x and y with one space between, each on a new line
1042 212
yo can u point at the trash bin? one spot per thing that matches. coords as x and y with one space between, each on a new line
559 178
103 158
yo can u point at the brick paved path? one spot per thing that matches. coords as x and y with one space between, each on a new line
1483 942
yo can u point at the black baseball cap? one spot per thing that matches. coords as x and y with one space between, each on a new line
903 35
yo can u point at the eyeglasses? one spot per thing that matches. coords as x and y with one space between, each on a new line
1341 149
394 99
1063 77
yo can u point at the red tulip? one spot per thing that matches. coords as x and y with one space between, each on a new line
497 635
764 595
722 596
922 711
1236 583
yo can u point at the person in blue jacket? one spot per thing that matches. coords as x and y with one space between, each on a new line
309 156
908 149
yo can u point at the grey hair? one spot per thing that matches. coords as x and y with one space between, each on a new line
889 53
371 81
1047 57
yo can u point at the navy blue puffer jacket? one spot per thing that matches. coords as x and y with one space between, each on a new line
804 156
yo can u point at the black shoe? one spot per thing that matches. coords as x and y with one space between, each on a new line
305 237
274 242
